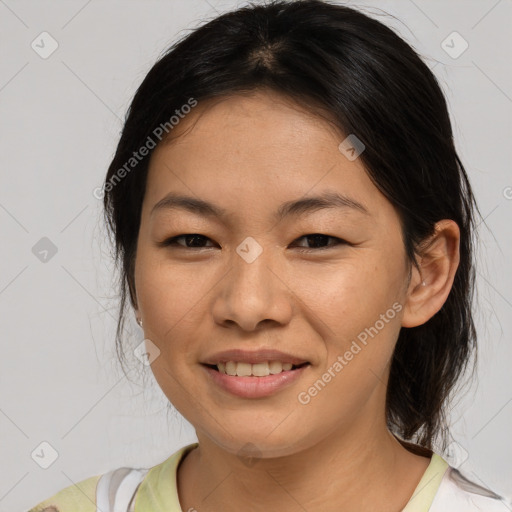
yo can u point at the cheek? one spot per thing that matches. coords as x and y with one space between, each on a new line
347 294
161 284
166 298
357 308
170 300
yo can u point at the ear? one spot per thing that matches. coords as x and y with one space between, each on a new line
439 259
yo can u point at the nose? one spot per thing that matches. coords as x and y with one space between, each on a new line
253 293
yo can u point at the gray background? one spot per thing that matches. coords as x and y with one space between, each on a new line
60 121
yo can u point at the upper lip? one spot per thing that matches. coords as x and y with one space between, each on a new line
253 357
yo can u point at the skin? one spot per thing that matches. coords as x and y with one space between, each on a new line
249 154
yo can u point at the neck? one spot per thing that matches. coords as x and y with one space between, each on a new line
357 468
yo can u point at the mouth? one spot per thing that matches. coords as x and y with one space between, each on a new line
262 369
254 380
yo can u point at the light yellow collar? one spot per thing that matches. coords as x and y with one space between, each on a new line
159 490
425 491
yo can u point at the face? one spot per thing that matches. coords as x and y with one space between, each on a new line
325 284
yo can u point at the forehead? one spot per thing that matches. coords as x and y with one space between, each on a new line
261 110
254 150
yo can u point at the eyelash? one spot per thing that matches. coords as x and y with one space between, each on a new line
173 242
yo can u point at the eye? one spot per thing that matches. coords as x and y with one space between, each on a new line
318 239
196 241
193 238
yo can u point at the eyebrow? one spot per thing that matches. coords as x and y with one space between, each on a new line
297 207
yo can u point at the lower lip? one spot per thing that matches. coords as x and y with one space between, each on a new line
255 387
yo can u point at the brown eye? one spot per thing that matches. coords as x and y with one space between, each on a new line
318 240
191 241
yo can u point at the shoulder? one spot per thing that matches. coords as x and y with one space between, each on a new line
80 497
112 490
119 490
458 493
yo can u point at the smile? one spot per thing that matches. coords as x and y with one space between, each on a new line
257 380
242 369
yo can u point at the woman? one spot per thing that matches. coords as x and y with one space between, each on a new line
295 233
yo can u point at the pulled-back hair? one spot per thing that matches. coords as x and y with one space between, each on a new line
361 76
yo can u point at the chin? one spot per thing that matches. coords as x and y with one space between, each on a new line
255 442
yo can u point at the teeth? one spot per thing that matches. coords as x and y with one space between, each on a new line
275 367
260 369
257 370
230 368
243 369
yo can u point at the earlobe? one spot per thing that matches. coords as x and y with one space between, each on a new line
439 260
